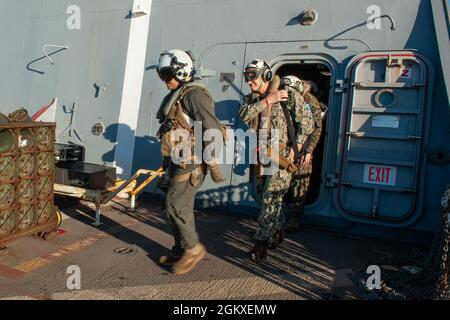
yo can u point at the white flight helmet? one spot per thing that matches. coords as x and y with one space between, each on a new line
178 64
293 82
256 64
256 68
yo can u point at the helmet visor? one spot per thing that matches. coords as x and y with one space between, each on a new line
166 74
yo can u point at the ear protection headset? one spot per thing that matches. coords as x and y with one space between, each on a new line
267 74
179 67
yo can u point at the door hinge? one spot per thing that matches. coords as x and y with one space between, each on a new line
340 86
331 180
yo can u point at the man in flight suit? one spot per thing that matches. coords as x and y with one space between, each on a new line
187 102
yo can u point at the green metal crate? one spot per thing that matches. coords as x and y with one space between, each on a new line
26 180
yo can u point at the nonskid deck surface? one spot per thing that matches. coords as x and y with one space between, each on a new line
119 260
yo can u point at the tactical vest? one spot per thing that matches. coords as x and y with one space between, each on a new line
181 120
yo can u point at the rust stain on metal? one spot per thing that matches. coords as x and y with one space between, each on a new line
9 272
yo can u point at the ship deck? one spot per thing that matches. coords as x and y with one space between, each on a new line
119 259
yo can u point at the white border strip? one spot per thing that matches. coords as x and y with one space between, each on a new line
132 88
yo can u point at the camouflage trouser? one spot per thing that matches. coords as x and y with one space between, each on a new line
299 189
271 218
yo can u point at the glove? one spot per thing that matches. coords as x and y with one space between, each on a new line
165 127
216 174
163 183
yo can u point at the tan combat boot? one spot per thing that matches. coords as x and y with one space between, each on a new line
189 260
169 260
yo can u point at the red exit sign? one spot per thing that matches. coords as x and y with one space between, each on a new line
383 175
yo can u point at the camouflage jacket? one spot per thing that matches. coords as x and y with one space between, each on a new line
316 110
301 116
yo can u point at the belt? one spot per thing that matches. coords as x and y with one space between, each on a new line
185 176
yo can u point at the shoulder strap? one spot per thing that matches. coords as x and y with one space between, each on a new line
291 131
172 98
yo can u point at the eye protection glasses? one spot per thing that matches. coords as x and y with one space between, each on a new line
251 75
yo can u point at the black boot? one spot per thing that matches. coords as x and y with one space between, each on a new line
293 223
278 238
259 251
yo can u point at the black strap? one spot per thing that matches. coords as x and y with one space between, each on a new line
305 145
291 131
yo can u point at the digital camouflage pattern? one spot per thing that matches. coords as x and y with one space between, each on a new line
316 131
301 117
298 190
301 179
271 218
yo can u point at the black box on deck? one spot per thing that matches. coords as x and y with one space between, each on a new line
85 175
69 152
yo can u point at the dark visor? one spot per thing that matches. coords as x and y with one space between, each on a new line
166 74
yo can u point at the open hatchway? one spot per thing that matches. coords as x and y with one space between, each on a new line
320 77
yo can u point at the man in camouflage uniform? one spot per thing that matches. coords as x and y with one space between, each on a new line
301 179
262 109
186 103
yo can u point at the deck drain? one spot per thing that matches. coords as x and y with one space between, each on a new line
124 250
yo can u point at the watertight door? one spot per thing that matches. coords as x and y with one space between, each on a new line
383 136
221 69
